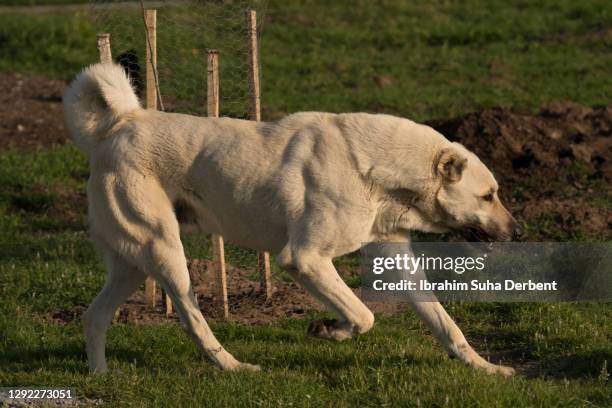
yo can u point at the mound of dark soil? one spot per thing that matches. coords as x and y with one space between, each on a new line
554 167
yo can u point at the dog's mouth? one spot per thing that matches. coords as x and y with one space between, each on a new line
476 234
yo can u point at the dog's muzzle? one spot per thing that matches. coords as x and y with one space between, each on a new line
476 234
479 238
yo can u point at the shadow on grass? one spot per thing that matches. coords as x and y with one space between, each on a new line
49 248
71 358
588 365
64 358
325 360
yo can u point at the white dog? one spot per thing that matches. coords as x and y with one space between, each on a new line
308 188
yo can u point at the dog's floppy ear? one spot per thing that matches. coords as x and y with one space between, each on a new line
450 165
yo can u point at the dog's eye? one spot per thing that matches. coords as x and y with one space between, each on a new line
488 197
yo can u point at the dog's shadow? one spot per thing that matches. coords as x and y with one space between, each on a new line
68 358
587 365
581 365
71 357
62 358
329 362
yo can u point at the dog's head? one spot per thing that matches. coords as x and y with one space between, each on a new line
467 198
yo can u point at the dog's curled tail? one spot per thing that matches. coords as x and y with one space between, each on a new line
95 101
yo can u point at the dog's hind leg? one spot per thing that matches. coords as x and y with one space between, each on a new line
169 267
121 281
133 214
317 275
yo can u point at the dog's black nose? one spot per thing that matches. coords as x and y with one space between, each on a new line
519 232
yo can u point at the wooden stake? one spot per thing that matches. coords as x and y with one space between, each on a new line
150 289
212 90
219 262
104 48
265 275
151 103
151 47
218 247
251 16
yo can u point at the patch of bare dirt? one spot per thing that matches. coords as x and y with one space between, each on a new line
246 303
553 166
32 111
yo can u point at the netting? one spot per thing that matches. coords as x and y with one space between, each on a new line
185 30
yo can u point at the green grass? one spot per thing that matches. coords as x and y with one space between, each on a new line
394 365
38 2
47 264
443 58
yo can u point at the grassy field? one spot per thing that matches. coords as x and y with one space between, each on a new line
419 59
438 59
47 264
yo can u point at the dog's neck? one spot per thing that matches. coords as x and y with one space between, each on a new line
403 209
396 155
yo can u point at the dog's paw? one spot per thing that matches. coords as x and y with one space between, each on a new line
504 371
330 329
319 328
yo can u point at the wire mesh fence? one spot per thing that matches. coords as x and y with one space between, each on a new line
185 30
166 48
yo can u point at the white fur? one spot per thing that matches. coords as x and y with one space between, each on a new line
95 100
308 188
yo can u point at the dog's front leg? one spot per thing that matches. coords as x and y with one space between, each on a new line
435 317
318 276
446 331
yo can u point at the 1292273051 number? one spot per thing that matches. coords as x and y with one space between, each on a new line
28 393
